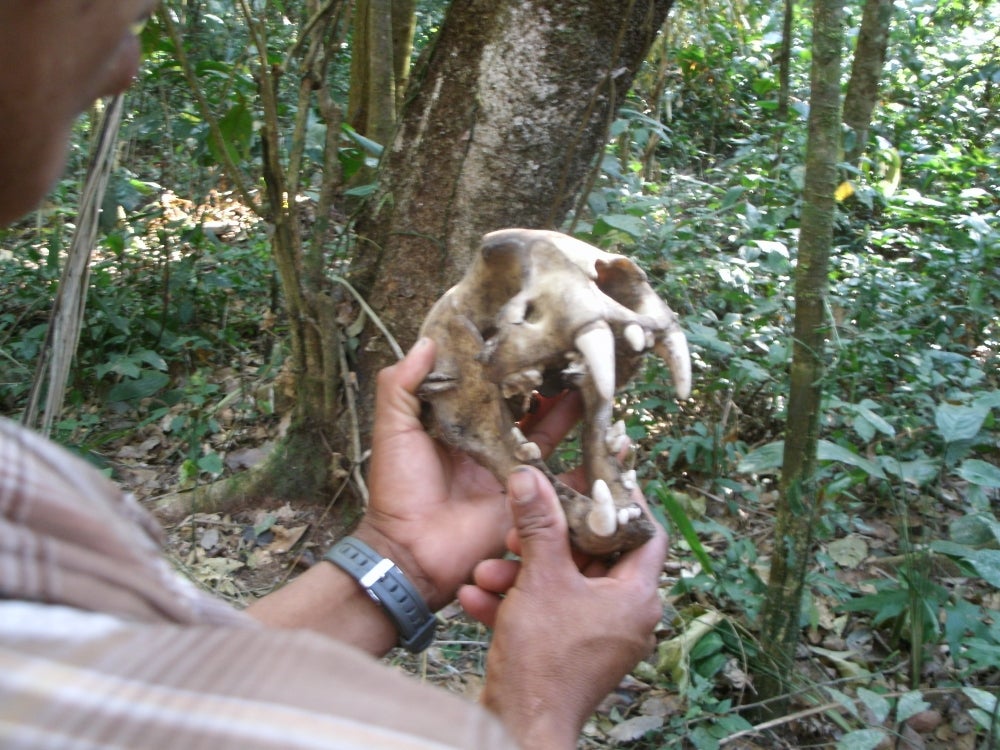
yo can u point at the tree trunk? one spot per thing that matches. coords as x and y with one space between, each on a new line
866 72
800 498
310 458
500 130
785 60
380 65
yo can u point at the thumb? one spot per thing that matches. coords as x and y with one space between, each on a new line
539 521
397 407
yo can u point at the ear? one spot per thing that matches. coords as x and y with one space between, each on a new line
623 281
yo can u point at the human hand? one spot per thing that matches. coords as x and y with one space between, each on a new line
567 629
433 509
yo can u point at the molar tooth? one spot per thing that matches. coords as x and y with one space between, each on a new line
635 336
527 452
597 346
523 381
629 480
616 439
602 519
615 443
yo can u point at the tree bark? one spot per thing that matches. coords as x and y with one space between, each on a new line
785 60
380 65
500 129
800 498
866 73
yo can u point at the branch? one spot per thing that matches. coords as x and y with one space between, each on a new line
232 170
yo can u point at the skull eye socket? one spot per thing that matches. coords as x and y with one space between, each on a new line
531 313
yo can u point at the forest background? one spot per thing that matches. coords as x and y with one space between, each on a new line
189 369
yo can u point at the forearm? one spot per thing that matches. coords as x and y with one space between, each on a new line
326 599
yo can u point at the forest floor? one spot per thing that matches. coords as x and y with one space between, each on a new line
246 552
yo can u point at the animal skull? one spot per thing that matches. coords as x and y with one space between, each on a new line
540 311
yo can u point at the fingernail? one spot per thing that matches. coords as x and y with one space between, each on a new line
522 485
421 342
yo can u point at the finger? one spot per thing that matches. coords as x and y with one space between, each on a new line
479 604
396 404
496 575
556 419
645 562
539 522
584 563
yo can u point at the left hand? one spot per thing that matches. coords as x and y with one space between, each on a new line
433 509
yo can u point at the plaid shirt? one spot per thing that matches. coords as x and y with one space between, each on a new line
103 645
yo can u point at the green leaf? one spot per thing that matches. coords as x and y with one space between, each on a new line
983 699
212 463
152 359
910 704
986 562
980 472
827 451
917 472
236 127
875 420
143 387
975 530
763 459
959 422
683 524
710 644
373 148
631 225
875 703
861 739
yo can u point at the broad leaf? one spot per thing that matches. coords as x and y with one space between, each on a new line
959 422
980 472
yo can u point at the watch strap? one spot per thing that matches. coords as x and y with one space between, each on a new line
387 585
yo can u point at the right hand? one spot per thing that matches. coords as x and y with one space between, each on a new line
566 630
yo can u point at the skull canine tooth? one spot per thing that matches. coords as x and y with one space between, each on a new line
635 336
673 350
603 518
597 345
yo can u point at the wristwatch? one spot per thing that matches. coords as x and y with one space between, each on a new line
386 584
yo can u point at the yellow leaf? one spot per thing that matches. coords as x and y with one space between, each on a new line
844 191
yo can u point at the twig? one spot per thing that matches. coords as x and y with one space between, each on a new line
371 314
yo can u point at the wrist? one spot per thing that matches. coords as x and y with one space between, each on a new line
536 727
384 582
404 559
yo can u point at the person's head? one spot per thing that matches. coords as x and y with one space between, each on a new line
56 58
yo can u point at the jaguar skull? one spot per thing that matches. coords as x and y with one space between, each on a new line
540 311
